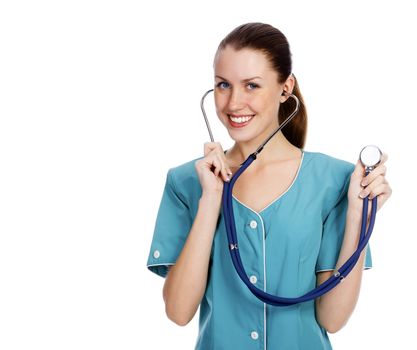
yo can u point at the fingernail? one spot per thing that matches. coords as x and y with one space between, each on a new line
362 195
227 178
364 183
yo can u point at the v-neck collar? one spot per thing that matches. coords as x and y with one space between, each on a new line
300 166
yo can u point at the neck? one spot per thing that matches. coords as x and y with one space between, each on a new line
277 149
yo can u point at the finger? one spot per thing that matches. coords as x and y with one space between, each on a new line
227 170
383 197
209 162
381 170
215 148
217 165
223 170
384 190
378 191
209 147
381 167
373 187
220 169
384 157
358 171
218 151
226 173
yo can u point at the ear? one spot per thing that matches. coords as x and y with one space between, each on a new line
288 86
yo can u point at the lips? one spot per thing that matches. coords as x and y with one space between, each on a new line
238 121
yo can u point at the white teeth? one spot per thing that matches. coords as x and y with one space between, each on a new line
240 119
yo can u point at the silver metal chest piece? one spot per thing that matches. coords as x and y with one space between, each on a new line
370 157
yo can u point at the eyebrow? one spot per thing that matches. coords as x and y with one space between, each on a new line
244 80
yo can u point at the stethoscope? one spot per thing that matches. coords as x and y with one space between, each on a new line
370 157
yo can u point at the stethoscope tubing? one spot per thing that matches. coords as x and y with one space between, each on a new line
205 115
330 283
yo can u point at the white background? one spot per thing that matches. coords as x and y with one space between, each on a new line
98 99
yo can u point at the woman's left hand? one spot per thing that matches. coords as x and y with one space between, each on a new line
374 184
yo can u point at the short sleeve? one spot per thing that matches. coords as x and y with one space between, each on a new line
172 226
333 233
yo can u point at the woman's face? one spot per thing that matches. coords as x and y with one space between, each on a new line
247 93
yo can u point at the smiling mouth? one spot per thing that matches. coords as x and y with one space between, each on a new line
240 119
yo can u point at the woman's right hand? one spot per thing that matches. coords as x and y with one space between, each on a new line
213 169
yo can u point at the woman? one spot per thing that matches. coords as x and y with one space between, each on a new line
297 213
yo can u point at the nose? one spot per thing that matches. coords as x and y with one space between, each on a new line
236 100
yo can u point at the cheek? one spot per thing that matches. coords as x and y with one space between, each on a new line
220 101
272 103
218 106
264 104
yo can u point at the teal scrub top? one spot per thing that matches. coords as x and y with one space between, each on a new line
282 248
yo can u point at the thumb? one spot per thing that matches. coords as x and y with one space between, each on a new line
358 172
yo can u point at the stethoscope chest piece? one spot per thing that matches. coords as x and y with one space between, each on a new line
370 157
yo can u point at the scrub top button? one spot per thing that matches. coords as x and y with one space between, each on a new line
253 279
253 224
156 254
254 335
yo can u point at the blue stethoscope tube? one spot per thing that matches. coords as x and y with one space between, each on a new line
333 281
227 210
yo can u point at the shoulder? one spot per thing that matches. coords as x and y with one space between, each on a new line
328 177
183 180
183 174
327 167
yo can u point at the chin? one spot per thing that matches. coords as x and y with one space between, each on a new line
240 137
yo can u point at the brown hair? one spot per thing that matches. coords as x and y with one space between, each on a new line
274 45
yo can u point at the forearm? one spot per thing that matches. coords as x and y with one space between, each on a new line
335 307
187 279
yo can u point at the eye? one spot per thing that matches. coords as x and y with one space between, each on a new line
252 86
223 85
